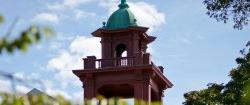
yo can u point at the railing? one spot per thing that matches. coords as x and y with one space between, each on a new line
139 59
115 62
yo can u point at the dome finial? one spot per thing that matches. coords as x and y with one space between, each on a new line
123 4
123 1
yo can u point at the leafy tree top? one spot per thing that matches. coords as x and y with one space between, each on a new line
223 10
235 92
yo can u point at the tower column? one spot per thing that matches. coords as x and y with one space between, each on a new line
89 89
159 97
89 92
142 93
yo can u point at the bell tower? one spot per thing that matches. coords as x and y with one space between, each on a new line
125 69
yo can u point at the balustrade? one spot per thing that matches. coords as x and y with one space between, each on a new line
140 59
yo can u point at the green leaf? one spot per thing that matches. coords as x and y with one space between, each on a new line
37 37
10 48
246 97
33 29
17 44
240 60
248 44
24 47
48 32
26 38
1 19
1 44
235 92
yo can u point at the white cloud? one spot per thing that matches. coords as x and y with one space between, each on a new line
86 46
5 86
71 59
72 3
79 14
77 98
25 83
52 91
65 4
65 36
111 5
185 40
147 14
47 17
57 92
64 61
69 79
55 45
21 90
69 9
19 75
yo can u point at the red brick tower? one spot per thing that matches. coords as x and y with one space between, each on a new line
126 69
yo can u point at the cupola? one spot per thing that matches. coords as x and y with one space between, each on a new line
122 18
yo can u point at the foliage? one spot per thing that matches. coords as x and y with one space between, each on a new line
246 99
210 96
7 99
28 37
1 19
223 10
235 92
116 101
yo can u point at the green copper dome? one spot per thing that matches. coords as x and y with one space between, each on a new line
122 18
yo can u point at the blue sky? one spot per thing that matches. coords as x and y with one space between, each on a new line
193 48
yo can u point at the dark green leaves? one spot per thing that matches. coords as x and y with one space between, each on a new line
210 96
7 99
246 98
223 10
31 36
235 92
1 19
240 60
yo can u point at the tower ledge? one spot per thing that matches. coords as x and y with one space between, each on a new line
152 69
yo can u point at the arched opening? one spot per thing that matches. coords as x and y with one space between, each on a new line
119 90
122 92
121 54
121 51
